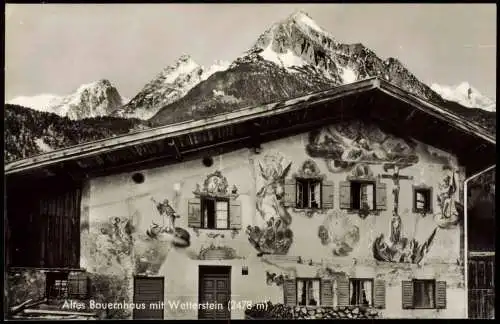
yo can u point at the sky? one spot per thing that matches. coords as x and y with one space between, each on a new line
54 48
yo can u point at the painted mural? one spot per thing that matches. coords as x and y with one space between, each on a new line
275 236
273 278
339 233
346 144
398 248
152 247
450 210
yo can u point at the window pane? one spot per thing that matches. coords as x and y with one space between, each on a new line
315 195
423 293
366 293
366 196
301 293
314 294
222 219
222 205
300 194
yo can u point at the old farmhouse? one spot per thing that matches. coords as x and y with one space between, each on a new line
349 202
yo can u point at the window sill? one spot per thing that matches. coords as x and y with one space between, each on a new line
215 229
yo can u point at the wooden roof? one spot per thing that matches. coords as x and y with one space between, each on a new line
373 99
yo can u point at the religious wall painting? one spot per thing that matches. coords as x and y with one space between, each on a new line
398 248
151 248
109 244
345 144
339 233
274 236
450 208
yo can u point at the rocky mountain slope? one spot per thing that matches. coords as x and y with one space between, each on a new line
291 58
95 99
167 87
465 95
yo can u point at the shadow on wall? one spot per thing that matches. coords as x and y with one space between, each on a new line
275 237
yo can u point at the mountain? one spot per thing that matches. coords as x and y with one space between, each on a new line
95 99
29 132
167 87
466 95
291 58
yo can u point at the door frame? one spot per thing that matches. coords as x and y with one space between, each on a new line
224 270
148 278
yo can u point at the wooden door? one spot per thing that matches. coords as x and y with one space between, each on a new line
215 292
481 285
150 291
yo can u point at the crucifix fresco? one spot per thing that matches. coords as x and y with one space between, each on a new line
399 248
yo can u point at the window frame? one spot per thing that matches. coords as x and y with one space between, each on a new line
305 279
361 182
372 282
215 200
308 181
428 196
434 287
50 284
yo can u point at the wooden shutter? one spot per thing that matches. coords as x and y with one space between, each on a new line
327 292
379 294
345 195
431 200
381 196
441 294
342 291
290 193
290 292
235 214
407 294
327 194
194 213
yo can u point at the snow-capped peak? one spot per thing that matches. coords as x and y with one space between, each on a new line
92 99
304 20
170 85
466 95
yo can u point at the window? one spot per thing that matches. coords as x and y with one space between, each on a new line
308 293
360 292
422 200
57 285
215 213
424 293
363 195
308 193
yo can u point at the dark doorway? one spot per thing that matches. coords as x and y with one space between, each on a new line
150 291
481 275
214 291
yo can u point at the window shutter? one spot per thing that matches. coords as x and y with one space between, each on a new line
407 299
290 292
342 291
430 200
194 213
379 294
345 195
290 192
235 214
327 194
441 294
327 292
381 196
